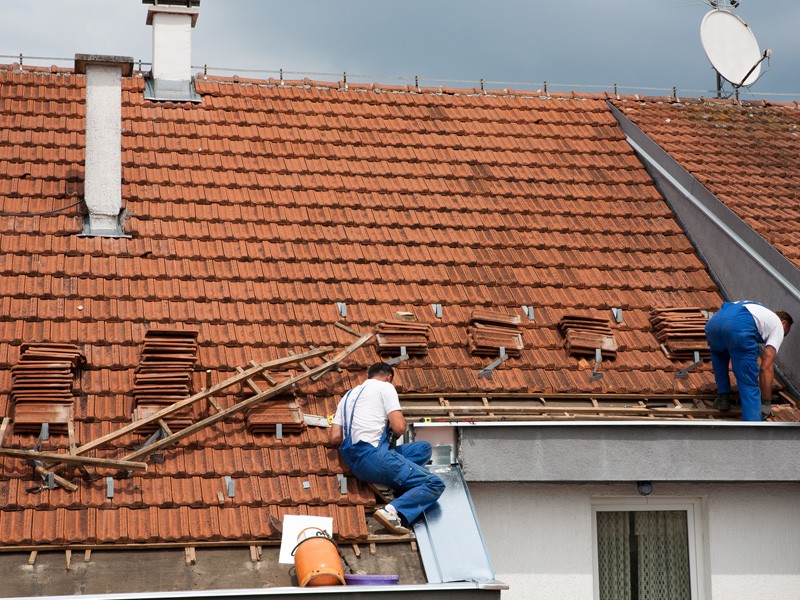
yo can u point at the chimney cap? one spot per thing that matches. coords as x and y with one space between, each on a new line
104 60
177 7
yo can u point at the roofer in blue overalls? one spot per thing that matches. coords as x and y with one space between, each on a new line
734 335
365 419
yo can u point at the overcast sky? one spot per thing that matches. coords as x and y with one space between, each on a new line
586 45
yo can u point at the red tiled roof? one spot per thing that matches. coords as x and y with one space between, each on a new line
744 153
254 212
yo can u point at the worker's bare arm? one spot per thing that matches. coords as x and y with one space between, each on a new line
766 375
397 422
335 435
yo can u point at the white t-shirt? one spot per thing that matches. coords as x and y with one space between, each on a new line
376 401
768 324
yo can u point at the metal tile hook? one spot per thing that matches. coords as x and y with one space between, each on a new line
403 356
489 369
684 373
598 358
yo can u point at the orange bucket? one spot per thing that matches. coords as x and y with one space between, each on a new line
316 559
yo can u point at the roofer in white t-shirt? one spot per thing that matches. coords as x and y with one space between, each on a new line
361 429
734 334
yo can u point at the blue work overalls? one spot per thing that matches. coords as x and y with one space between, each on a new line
401 469
734 338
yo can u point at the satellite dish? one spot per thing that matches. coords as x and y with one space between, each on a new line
731 47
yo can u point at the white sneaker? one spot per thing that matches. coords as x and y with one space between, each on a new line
391 521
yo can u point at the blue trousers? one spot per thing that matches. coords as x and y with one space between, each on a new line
734 339
401 469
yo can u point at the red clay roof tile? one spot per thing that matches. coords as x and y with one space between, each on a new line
251 223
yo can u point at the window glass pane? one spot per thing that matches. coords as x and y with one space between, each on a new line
643 555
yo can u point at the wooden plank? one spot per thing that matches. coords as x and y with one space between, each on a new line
71 434
71 459
3 428
356 551
251 383
350 330
190 556
87 555
163 424
32 557
255 554
175 407
65 483
240 406
68 558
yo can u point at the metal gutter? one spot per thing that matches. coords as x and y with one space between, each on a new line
465 590
574 423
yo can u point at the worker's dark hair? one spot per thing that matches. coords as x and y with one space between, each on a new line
380 368
784 316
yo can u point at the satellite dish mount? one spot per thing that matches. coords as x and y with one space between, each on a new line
731 47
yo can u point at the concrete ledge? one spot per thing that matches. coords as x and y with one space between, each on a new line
617 451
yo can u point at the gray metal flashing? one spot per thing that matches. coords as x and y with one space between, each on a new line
574 423
743 263
449 537
620 452
161 90
457 591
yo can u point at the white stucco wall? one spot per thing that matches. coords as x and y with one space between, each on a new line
540 537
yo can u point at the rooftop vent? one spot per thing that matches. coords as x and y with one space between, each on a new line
171 75
103 175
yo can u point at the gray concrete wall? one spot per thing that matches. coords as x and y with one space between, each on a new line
743 264
630 452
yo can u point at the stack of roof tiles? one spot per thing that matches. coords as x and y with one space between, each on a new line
392 336
489 331
585 335
681 332
164 375
281 409
42 386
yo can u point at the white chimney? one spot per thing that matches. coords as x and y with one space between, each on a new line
171 75
103 165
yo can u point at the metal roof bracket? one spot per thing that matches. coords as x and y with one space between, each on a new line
230 487
528 310
489 369
342 483
437 310
342 306
617 313
109 487
598 358
403 356
684 373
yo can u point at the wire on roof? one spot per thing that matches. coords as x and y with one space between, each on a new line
41 214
